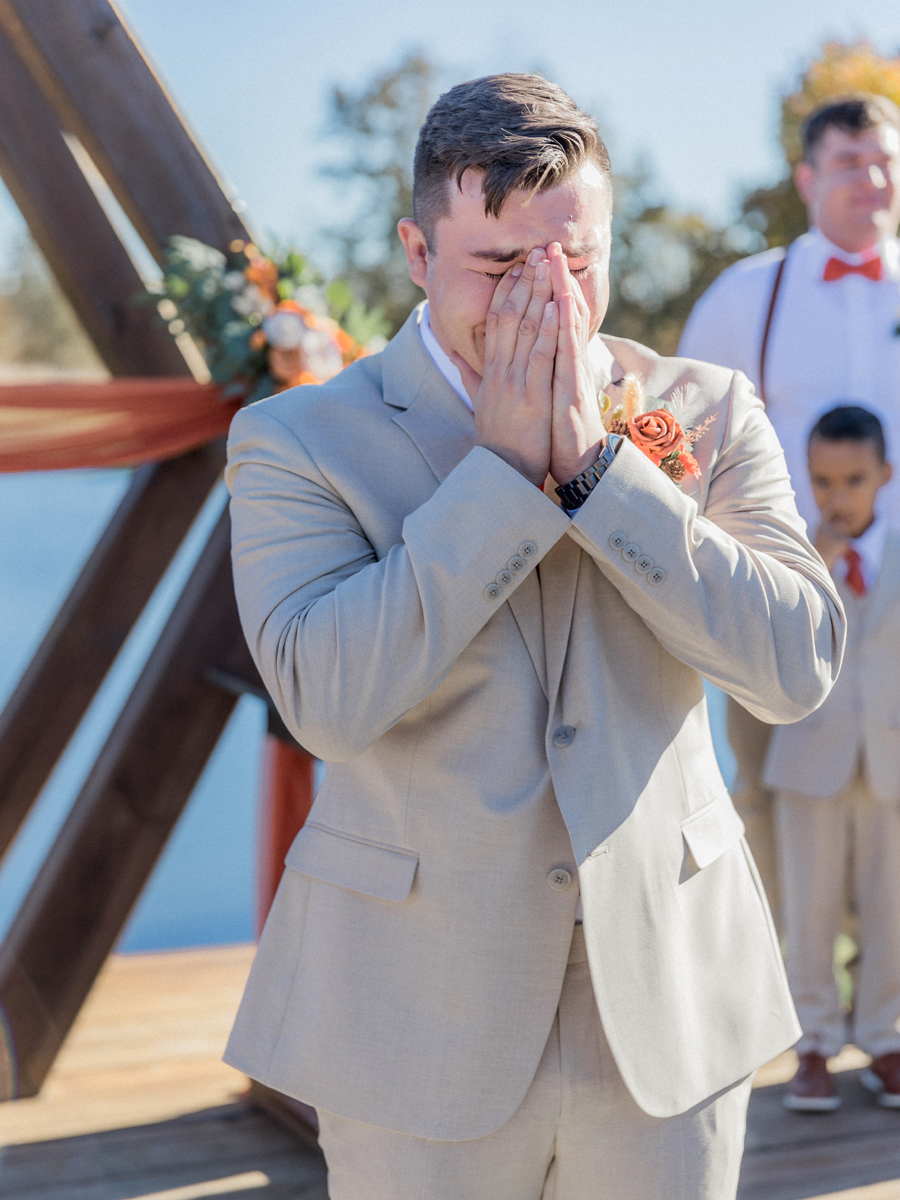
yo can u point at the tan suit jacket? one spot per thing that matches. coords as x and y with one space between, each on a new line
860 720
479 739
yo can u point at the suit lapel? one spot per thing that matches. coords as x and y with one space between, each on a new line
526 603
559 577
443 431
559 568
427 407
886 584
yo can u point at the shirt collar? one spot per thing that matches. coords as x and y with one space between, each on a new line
888 250
602 362
442 360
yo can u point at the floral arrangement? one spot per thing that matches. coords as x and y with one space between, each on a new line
262 322
655 432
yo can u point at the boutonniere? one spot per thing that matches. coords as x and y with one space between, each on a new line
650 424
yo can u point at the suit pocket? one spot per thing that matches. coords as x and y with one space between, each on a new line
371 868
712 830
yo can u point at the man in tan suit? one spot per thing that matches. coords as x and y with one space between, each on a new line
509 698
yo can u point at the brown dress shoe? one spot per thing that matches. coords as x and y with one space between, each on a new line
812 1088
882 1077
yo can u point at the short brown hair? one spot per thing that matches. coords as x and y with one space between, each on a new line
853 114
521 130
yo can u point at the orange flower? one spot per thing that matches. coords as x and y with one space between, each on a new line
258 340
690 463
263 272
656 434
294 307
298 379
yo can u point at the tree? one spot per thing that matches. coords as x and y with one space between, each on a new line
377 127
662 262
37 323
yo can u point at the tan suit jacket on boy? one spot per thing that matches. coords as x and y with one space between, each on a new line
504 696
860 720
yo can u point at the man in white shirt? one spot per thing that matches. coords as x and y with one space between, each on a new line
821 321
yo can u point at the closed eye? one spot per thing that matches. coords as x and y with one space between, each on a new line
580 271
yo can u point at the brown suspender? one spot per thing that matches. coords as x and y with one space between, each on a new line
763 350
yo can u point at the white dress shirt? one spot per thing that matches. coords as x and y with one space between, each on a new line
442 360
830 343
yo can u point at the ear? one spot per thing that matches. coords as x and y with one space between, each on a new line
804 175
887 473
413 240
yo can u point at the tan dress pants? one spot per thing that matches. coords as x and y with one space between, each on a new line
847 845
577 1135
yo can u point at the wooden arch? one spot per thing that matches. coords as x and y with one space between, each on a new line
70 69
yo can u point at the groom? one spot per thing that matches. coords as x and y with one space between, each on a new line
508 694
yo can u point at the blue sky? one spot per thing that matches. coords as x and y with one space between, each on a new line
691 88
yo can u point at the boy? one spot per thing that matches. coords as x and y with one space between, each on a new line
837 775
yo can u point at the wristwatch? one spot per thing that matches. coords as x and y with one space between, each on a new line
574 493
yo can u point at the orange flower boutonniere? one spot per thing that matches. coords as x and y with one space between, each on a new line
655 432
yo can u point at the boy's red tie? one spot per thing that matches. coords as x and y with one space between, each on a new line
855 581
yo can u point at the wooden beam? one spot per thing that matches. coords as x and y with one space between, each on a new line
66 220
104 91
115 584
120 822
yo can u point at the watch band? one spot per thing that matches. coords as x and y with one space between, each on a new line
574 493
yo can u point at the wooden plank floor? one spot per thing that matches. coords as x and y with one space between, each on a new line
850 1154
139 1103
140 1107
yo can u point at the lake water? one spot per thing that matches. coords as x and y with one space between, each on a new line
202 890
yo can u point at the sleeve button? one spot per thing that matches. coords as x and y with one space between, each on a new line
516 564
527 550
657 576
643 564
618 540
492 591
504 578
631 552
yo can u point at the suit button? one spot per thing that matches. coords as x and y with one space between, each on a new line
560 879
516 564
527 550
643 564
564 736
656 576
631 552
504 578
617 540
492 591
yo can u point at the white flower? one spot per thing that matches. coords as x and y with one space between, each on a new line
233 281
323 354
252 301
376 344
285 330
309 296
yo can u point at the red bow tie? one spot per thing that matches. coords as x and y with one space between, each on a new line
836 268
